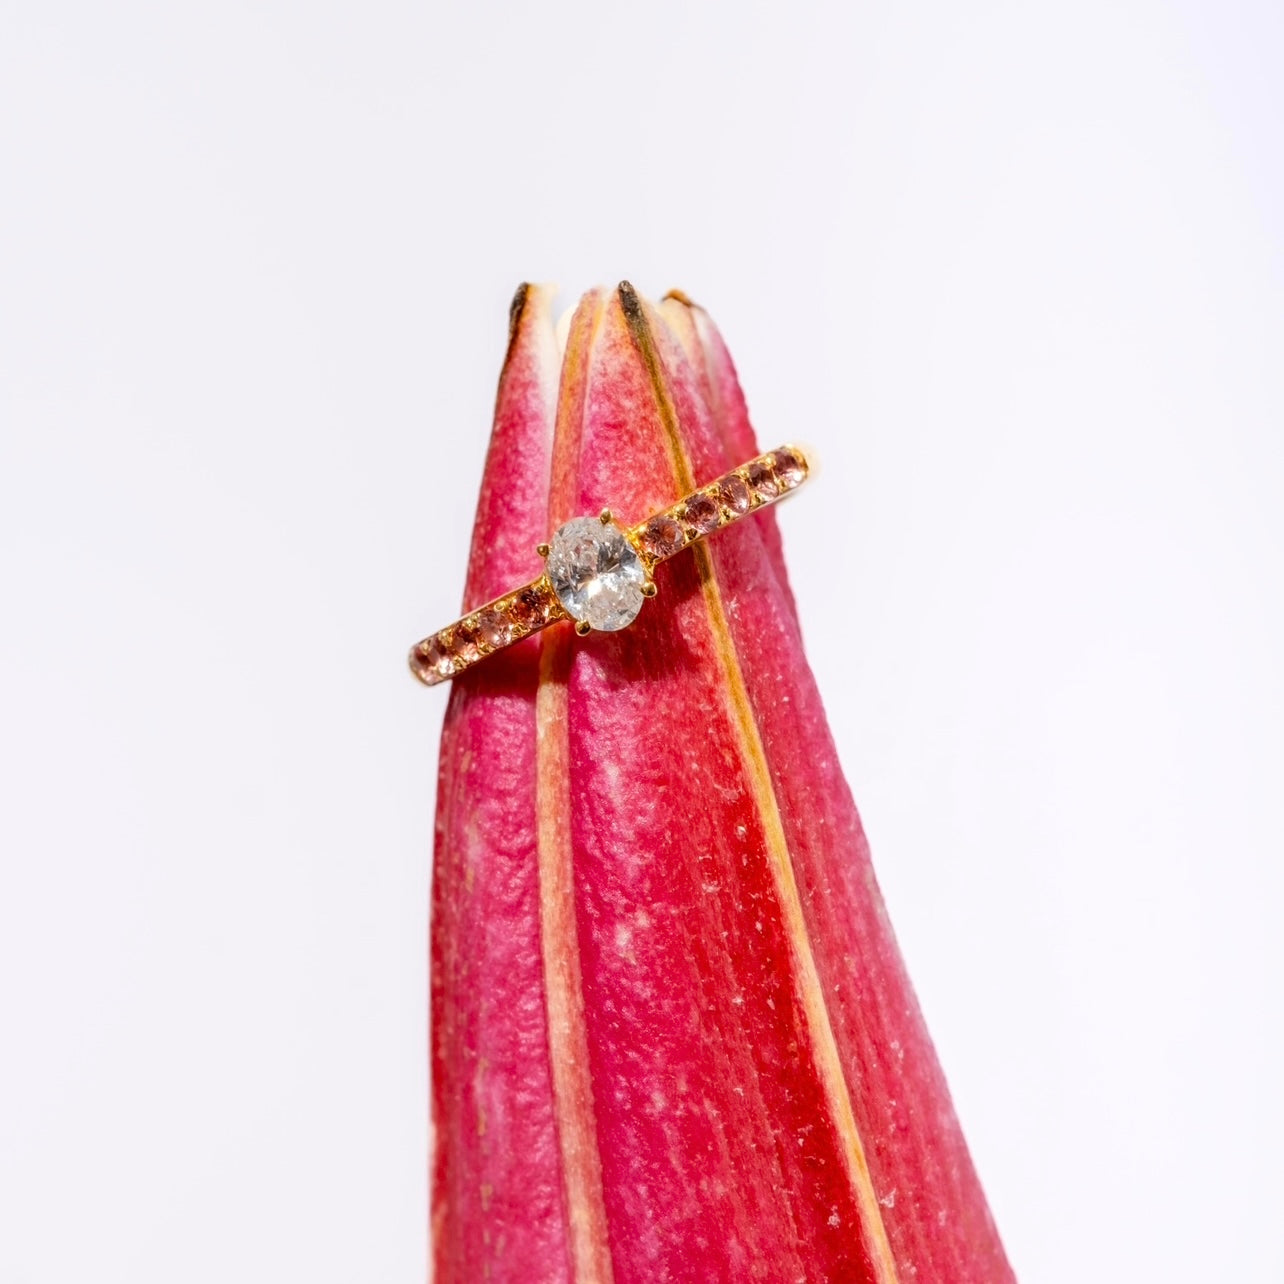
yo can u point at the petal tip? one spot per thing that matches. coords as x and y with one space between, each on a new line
516 311
517 306
630 300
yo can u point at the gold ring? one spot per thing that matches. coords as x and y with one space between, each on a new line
598 573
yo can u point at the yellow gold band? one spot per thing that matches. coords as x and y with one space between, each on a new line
574 585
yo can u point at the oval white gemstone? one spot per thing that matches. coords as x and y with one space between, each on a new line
596 573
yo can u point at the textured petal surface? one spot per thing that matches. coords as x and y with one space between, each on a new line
497 1183
727 1076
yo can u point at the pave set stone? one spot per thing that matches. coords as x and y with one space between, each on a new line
597 573
759 482
508 619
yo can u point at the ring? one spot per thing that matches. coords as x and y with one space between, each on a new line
598 573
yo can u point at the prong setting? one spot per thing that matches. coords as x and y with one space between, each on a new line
596 573
598 579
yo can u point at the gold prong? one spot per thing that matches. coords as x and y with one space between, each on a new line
583 627
604 517
542 549
649 589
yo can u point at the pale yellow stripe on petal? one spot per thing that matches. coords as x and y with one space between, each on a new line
563 985
589 1248
806 977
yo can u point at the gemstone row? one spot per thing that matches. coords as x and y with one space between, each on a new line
760 481
610 585
496 625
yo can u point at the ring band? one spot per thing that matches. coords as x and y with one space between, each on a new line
598 573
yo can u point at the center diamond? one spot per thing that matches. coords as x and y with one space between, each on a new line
596 573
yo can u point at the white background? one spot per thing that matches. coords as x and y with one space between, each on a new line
1016 271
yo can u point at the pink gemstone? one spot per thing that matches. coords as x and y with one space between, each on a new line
762 479
734 494
495 628
789 468
530 608
431 661
466 641
662 536
701 514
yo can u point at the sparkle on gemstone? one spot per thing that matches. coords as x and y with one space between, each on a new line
701 514
529 608
466 641
788 467
596 573
663 536
432 661
734 494
762 479
494 628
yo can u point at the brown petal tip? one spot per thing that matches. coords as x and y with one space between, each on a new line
515 309
630 301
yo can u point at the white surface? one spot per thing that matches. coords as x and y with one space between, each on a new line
1015 270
